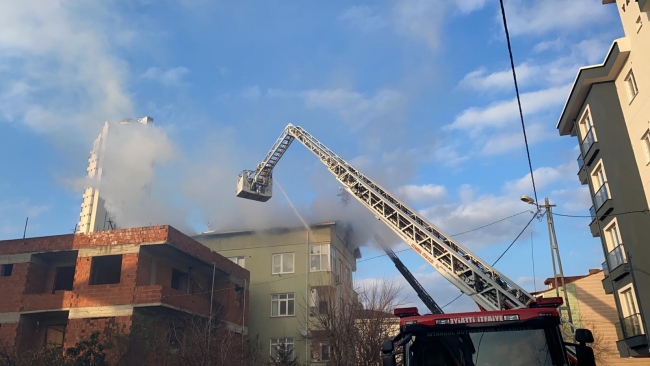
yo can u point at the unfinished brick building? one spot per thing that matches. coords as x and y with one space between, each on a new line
57 290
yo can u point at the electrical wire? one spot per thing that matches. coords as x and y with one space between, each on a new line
645 211
521 113
514 241
449 303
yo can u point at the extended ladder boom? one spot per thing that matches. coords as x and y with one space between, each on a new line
485 285
417 287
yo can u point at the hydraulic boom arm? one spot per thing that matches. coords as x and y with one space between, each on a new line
485 285
422 293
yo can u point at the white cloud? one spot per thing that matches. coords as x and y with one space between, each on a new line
421 19
544 177
251 93
170 77
482 81
364 18
14 213
62 52
468 6
355 109
539 17
426 193
576 199
499 114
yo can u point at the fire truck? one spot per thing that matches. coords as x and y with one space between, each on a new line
512 328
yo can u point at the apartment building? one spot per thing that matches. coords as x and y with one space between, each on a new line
608 111
591 308
290 270
94 215
57 290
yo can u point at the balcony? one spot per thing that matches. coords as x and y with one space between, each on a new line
607 281
617 263
589 146
602 201
593 225
605 269
582 171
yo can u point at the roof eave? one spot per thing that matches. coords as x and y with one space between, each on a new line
589 75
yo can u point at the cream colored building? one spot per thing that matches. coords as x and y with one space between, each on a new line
591 308
608 111
288 267
94 215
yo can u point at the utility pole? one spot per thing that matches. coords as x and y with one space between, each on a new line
555 251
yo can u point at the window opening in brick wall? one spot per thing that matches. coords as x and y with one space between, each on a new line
179 280
54 335
6 269
106 269
64 278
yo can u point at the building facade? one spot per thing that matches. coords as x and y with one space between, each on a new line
94 215
591 308
290 270
608 111
57 290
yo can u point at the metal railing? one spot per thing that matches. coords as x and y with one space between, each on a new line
601 196
581 163
605 269
616 257
629 327
588 141
592 213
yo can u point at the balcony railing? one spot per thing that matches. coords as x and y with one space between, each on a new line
587 141
601 196
616 257
581 162
592 213
605 269
630 327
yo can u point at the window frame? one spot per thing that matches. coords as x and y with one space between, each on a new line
281 255
279 341
238 259
639 24
625 308
54 327
586 124
609 241
599 168
279 301
645 141
6 270
93 278
321 353
325 251
631 85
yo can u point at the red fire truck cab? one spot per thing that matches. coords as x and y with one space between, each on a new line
516 337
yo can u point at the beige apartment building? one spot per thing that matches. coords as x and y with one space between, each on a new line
288 267
608 111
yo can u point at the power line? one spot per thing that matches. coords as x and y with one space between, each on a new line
645 211
521 113
514 241
449 303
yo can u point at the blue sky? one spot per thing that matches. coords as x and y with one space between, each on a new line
416 93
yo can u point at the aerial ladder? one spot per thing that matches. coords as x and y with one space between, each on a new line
415 284
489 288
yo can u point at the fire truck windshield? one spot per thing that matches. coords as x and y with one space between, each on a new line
512 346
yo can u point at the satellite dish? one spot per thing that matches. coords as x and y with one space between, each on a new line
302 331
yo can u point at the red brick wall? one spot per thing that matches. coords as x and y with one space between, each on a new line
145 263
79 329
12 287
36 278
163 274
8 332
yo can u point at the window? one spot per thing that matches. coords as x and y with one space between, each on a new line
282 305
646 145
632 324
106 269
275 342
630 82
639 24
54 335
282 263
613 237
349 277
628 302
179 280
240 261
598 176
586 123
319 257
64 277
324 352
6 269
